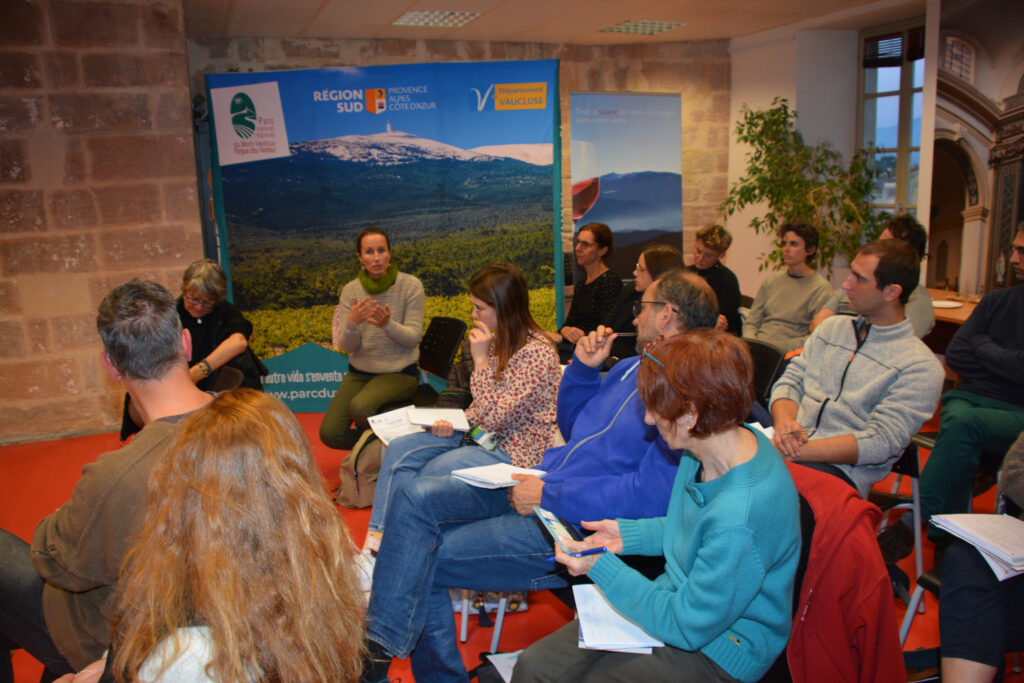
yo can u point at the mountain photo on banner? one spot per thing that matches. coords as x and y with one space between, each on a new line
455 182
626 171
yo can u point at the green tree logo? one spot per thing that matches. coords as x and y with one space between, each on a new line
243 115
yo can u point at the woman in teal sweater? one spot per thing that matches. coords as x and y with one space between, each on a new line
731 536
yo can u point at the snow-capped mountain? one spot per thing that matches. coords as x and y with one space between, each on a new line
537 154
390 148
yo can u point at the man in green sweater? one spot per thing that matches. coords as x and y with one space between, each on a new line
55 597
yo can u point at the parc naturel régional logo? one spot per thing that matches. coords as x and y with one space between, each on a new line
243 116
520 96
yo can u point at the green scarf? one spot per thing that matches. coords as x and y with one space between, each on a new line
381 285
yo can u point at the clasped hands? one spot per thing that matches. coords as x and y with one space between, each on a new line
789 438
369 310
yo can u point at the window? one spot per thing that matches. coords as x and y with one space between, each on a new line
958 59
891 103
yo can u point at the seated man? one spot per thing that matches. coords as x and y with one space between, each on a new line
708 249
443 533
919 308
786 302
53 598
985 413
862 387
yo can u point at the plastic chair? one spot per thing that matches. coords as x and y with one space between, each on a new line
767 359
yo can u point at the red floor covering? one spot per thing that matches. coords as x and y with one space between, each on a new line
36 478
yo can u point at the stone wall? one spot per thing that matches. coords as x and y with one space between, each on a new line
698 71
97 186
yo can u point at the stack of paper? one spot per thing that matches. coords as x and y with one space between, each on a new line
604 628
496 476
999 539
411 420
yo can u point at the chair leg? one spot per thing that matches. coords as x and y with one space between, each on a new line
916 511
464 618
908 618
885 517
1016 662
498 623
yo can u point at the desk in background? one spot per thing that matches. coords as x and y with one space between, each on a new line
947 320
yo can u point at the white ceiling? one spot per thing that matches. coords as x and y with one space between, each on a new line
532 21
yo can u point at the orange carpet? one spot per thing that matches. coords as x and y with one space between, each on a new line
36 478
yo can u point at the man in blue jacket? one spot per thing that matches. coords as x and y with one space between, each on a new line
442 533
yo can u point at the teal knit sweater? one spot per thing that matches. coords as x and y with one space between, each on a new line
731 547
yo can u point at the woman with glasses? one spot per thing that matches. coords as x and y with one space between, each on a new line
730 538
219 332
592 299
654 262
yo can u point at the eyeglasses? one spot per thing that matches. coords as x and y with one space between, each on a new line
195 301
585 244
638 268
648 347
638 307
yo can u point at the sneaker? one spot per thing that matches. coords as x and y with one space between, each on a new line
896 542
365 560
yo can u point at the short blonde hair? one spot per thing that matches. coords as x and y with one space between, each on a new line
206 278
715 237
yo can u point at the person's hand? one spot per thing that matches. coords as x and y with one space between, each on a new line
361 310
722 325
606 535
594 348
789 438
571 334
90 674
381 315
442 428
479 344
524 495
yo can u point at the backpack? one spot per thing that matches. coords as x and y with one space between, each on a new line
359 471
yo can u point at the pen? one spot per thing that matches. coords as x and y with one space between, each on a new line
584 553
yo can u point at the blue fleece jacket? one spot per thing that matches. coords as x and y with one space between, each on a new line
731 547
612 465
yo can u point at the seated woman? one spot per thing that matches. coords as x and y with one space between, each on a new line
979 615
731 537
708 249
514 387
652 264
243 569
220 335
592 299
787 301
378 322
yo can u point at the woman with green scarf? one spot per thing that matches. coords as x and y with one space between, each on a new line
378 323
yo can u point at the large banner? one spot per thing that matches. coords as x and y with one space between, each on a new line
626 170
454 161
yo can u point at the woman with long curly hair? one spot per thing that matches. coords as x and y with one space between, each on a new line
243 569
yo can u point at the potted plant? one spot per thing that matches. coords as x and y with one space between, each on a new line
800 182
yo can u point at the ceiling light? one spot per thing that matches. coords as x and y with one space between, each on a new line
439 19
643 27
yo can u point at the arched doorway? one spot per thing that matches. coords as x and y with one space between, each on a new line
945 233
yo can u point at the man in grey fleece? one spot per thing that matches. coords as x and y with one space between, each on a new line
862 387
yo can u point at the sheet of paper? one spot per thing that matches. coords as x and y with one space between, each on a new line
494 476
392 424
504 662
604 628
998 535
428 416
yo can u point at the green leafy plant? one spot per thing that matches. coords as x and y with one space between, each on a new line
800 182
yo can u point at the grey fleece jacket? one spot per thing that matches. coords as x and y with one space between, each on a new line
880 391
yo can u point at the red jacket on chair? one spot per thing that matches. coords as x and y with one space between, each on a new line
845 627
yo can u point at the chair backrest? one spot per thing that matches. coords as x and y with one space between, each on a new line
908 462
746 300
767 359
440 343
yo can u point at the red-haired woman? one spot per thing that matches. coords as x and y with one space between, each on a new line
730 538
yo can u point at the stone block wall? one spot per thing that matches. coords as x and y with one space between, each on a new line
97 186
698 71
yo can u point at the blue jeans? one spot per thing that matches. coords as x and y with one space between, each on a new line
22 624
423 454
441 534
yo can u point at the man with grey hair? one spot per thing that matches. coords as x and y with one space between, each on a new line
54 595
442 533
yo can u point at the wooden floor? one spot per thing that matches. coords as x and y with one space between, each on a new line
36 478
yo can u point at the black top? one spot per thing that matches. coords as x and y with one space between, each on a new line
727 288
592 304
209 331
621 320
